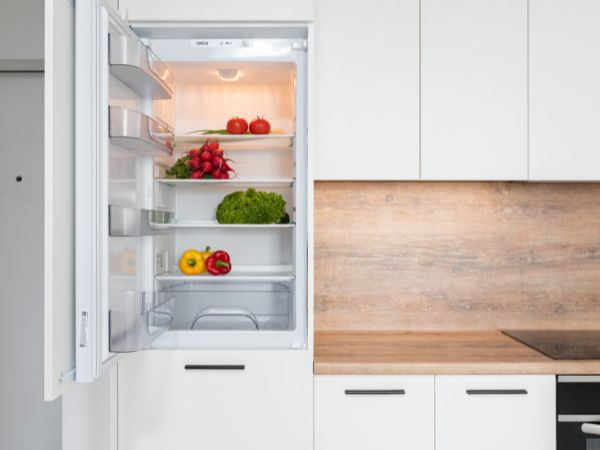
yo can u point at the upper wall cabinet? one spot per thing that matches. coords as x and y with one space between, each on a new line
366 90
564 90
221 10
474 89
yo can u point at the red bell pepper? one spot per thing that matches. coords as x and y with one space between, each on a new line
218 263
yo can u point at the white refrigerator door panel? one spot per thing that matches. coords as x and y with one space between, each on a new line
116 306
59 192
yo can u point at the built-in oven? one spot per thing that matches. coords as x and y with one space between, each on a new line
578 410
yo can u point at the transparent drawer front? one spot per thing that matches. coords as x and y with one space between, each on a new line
254 306
137 318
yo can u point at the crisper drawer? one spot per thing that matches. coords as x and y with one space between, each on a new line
495 412
215 400
236 306
382 412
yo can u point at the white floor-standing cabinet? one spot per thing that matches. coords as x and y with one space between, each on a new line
474 89
564 89
495 412
444 412
382 412
217 400
367 90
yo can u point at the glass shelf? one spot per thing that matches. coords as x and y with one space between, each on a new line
262 182
237 274
215 224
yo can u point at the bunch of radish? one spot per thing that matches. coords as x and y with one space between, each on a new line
209 161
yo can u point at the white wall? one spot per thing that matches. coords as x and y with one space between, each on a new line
90 414
21 30
26 421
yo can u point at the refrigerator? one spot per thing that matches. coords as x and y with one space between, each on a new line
144 98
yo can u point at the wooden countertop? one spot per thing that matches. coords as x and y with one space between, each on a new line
435 353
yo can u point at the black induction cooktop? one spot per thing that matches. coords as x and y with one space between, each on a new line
560 344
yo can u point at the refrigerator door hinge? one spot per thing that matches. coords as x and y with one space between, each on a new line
84 329
300 45
67 374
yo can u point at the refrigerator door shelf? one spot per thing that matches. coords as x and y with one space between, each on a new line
131 222
135 131
137 67
140 317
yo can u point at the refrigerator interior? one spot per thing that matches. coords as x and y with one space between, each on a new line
262 302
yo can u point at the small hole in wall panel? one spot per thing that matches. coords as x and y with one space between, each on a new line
19 178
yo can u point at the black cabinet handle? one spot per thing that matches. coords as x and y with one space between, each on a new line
375 392
496 392
215 367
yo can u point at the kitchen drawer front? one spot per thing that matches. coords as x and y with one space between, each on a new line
382 412
495 412
215 400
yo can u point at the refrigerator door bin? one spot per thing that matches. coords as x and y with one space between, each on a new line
138 318
137 67
135 131
233 306
132 222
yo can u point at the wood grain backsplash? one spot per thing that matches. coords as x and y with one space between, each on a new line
456 255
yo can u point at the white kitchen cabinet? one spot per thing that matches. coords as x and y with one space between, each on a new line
222 10
366 90
564 90
382 412
495 412
215 404
474 89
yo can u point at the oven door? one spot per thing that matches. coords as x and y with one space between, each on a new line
578 432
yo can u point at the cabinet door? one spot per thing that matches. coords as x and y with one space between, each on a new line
474 89
564 90
59 194
222 10
366 90
382 412
217 400
495 412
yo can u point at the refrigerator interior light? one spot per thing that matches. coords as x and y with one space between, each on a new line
229 74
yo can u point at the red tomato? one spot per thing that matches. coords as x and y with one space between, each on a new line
237 125
260 126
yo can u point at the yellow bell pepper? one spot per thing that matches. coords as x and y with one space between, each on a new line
192 262
206 254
